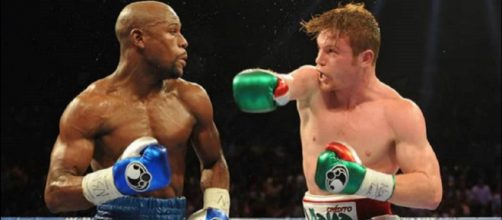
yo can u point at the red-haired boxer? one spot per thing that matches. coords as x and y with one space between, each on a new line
133 128
340 100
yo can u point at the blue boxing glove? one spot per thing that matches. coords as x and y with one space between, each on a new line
216 205
143 167
209 214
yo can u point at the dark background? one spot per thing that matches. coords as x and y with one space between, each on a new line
443 54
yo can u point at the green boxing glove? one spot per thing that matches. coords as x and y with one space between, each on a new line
258 90
339 171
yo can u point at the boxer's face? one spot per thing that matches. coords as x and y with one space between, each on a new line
334 60
165 46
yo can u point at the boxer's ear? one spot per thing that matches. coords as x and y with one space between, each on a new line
366 57
137 37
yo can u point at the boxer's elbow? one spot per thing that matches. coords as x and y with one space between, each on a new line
435 199
58 198
52 199
438 196
52 206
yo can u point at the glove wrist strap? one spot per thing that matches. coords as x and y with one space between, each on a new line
281 93
217 198
377 185
98 187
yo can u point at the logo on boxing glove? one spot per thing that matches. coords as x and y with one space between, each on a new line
137 177
337 178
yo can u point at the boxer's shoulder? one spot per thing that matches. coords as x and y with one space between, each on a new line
400 105
190 92
100 94
403 114
98 91
93 103
194 97
185 87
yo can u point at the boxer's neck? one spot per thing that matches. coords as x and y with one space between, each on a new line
137 77
360 90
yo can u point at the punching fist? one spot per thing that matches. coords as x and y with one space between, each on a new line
216 205
339 171
258 90
143 167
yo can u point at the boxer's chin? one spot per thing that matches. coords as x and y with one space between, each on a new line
326 86
174 73
178 73
178 70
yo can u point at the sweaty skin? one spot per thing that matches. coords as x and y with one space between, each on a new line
341 99
144 96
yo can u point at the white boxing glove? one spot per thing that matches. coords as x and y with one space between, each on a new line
216 205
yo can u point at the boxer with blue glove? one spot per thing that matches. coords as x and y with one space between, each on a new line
133 129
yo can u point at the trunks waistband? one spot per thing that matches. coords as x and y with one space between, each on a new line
353 207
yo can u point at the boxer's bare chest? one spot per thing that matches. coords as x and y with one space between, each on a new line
364 127
162 116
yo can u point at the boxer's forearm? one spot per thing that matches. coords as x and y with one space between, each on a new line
216 176
64 194
215 182
417 190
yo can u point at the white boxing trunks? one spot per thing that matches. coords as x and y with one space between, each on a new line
317 207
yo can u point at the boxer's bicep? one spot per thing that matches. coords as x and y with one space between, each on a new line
207 145
205 136
74 147
301 82
70 158
413 150
410 137
419 185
